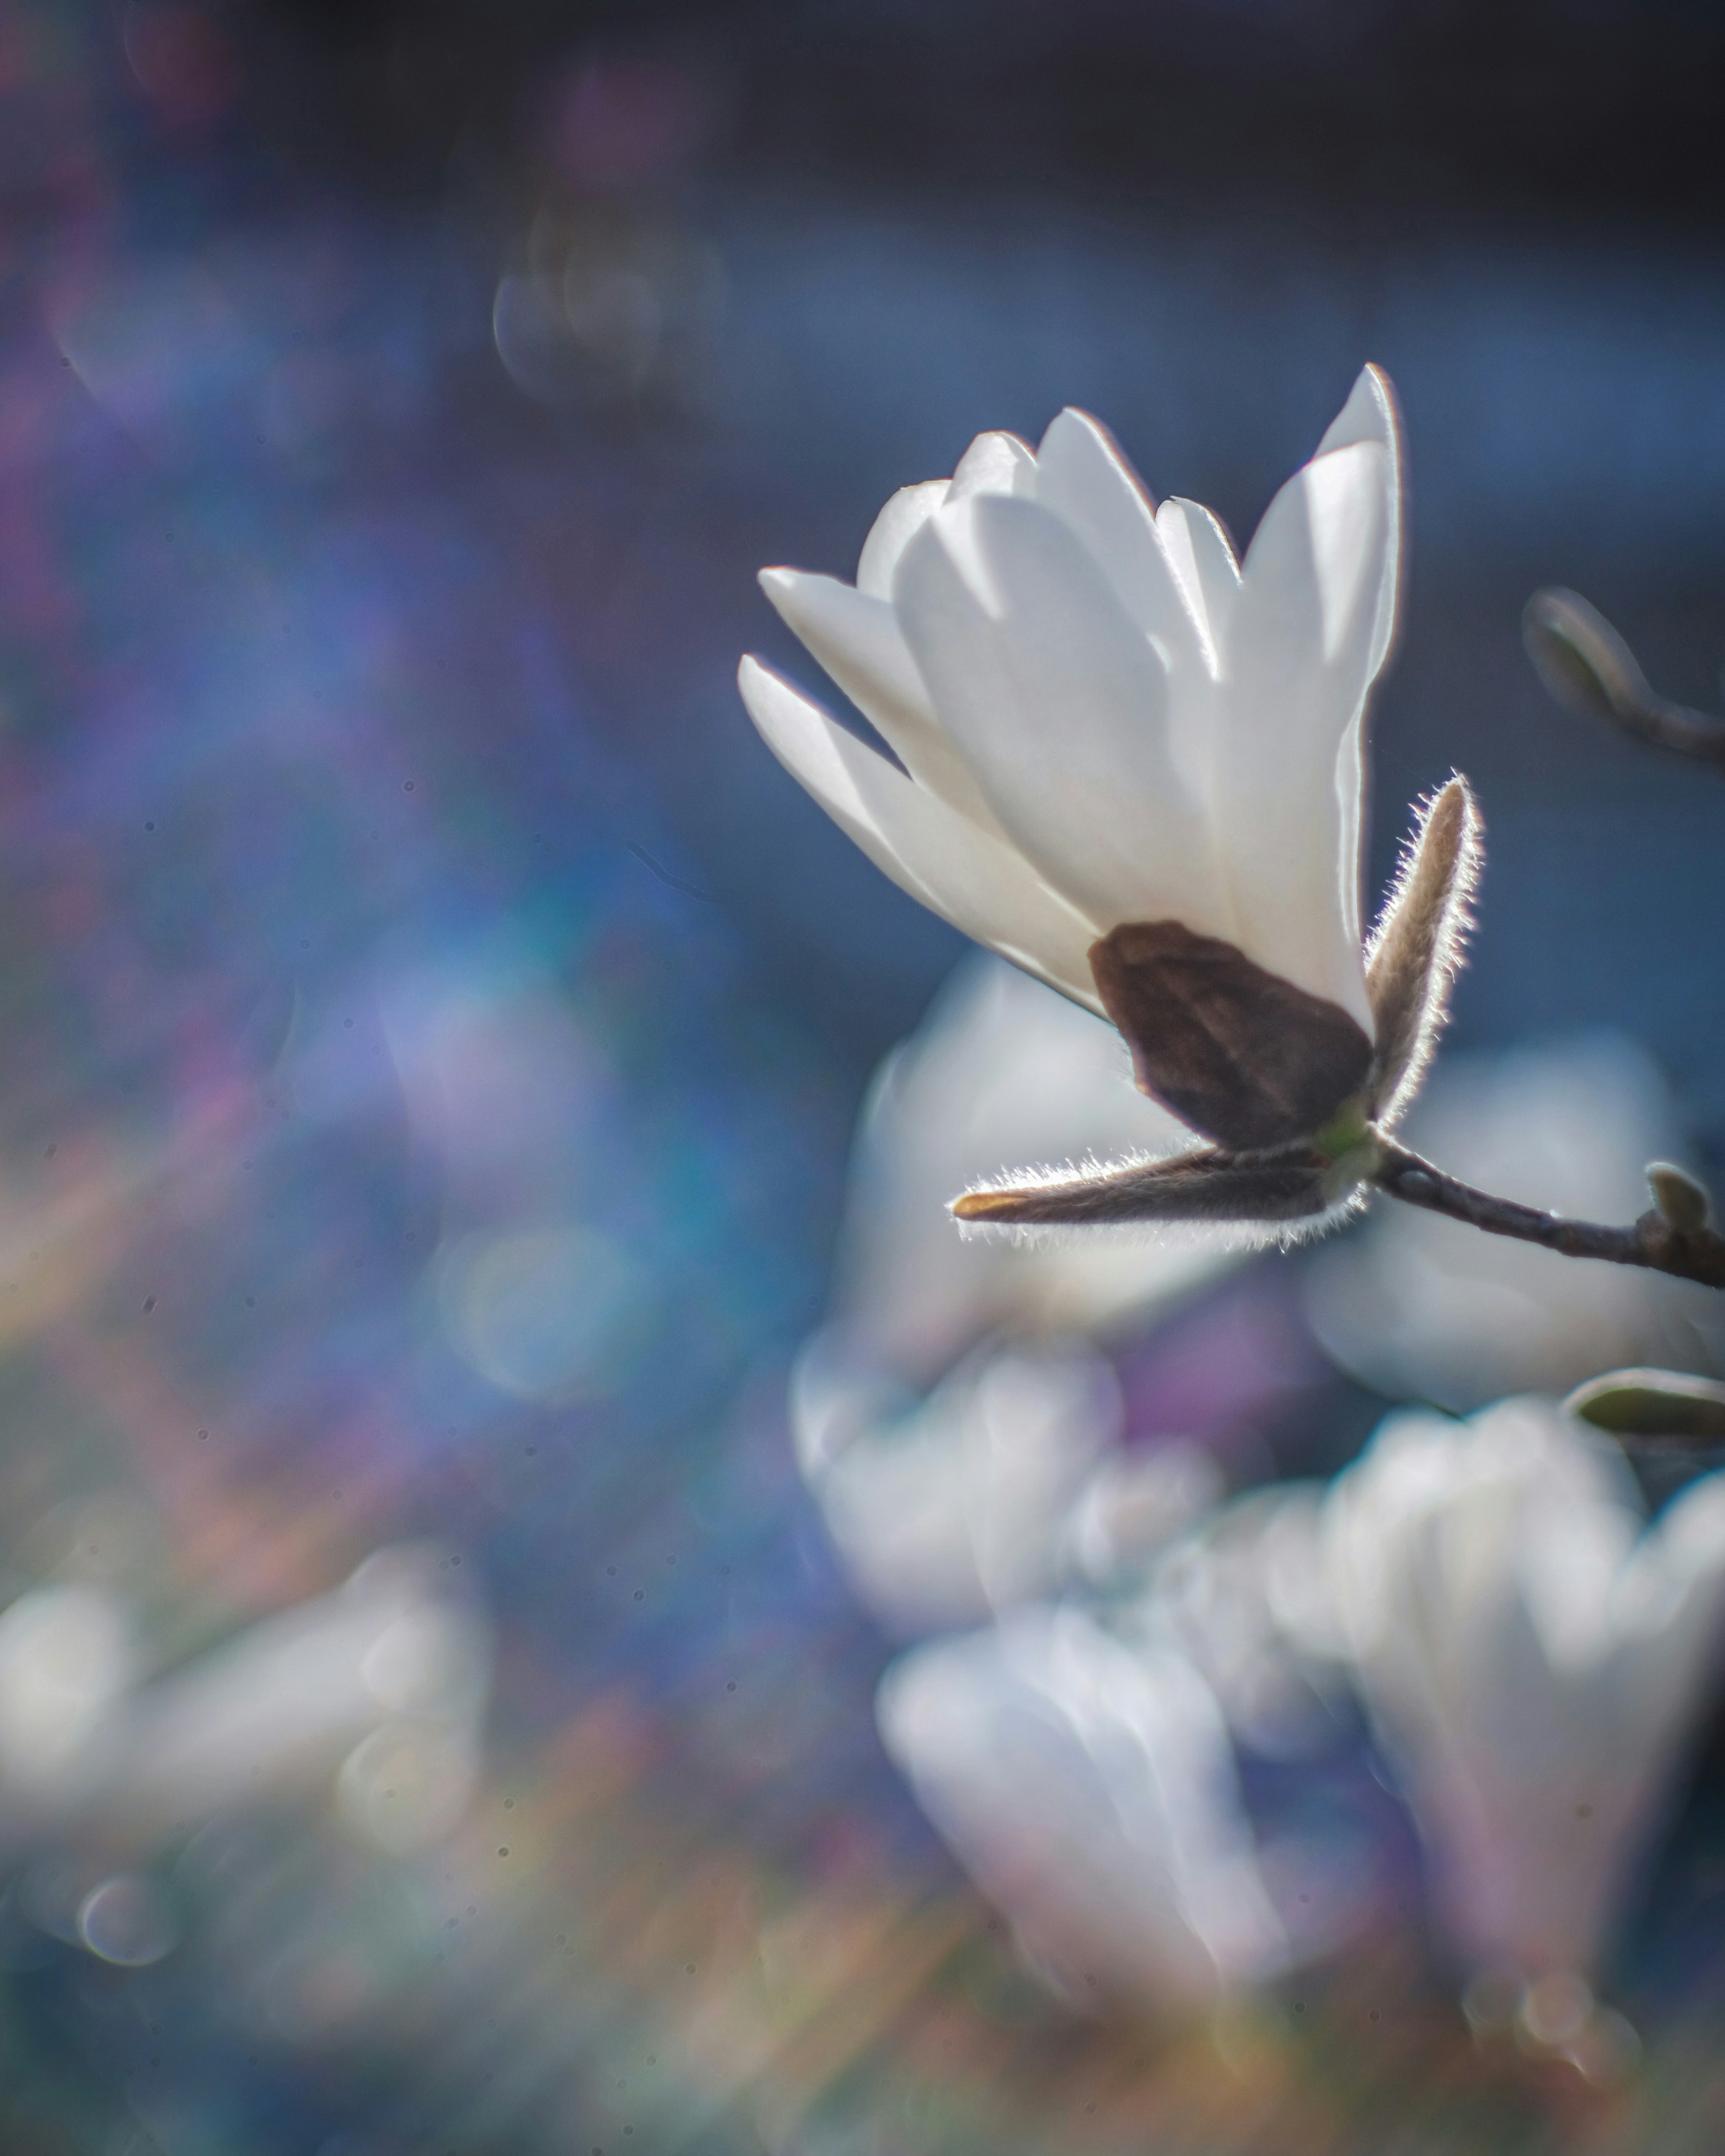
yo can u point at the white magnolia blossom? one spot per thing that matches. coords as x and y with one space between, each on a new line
1101 716
67 1658
1424 1307
376 1692
1132 766
1133 1505
1244 1598
1533 1656
947 1509
1091 1792
1005 1482
1000 1071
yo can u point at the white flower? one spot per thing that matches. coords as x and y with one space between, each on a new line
1008 1477
1091 1793
1000 1071
949 1509
1426 1308
1534 1657
67 1658
1131 764
1103 716
1242 1598
391 1671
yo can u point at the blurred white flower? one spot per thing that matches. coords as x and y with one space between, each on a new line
1091 1792
1534 1657
1244 1598
1007 1473
68 1657
287 1703
1102 717
1001 1071
377 1689
1422 1307
948 1509
1133 1504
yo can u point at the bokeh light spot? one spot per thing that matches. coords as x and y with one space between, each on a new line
126 1920
554 1313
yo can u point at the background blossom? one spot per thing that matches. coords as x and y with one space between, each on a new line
1533 1659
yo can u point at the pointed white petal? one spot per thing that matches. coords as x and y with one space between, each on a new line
928 848
1370 415
994 464
1083 478
1057 704
1202 560
859 642
898 523
1297 667
1089 1788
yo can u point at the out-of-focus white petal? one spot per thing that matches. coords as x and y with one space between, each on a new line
283 1702
1532 1657
1091 1793
1297 665
1201 558
858 640
1244 1598
1057 704
1001 1073
1136 1503
67 1658
950 1510
941 859
994 464
892 530
1369 415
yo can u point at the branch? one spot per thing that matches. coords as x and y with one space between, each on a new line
1693 1252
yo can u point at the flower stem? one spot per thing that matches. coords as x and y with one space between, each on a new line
1698 1255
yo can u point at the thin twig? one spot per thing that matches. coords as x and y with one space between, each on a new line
1652 1241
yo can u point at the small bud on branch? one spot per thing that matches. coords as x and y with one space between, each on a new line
1587 666
1652 1241
1653 1406
1683 1202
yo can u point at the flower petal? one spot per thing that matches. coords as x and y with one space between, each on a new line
1058 705
859 642
1082 476
903 517
1298 664
1201 557
994 464
1369 415
927 848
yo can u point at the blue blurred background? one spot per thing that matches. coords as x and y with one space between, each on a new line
435 1025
